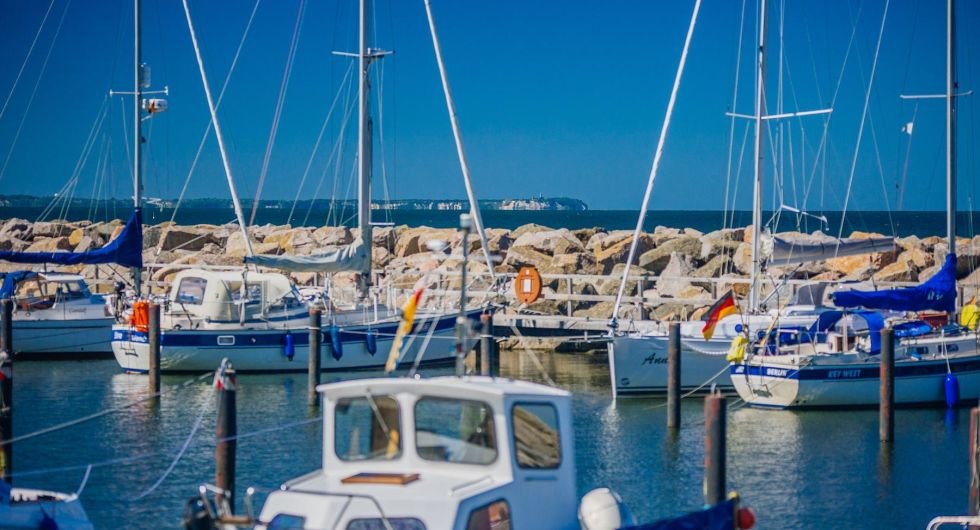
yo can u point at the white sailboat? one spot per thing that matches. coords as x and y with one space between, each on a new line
831 364
260 322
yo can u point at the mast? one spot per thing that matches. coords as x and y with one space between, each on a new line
138 132
757 185
364 156
950 128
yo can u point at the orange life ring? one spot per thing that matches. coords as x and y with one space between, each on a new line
140 319
527 285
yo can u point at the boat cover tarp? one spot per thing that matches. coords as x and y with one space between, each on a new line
126 250
875 320
789 252
353 257
916 328
937 293
10 281
718 517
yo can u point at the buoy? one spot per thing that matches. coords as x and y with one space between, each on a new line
290 346
336 346
603 509
745 518
371 341
952 390
527 285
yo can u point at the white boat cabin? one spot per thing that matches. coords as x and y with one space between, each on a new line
231 296
442 453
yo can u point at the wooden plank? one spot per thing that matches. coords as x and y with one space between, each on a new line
395 479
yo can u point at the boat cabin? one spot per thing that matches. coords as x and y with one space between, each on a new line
448 452
231 296
34 291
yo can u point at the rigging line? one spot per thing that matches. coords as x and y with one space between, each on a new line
95 415
335 157
864 114
221 96
277 115
30 101
656 164
821 153
316 145
738 172
129 155
731 128
217 133
180 453
881 175
26 59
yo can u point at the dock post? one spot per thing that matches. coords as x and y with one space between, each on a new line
641 312
568 304
486 343
714 448
674 376
153 339
886 400
494 355
7 388
226 430
974 462
313 372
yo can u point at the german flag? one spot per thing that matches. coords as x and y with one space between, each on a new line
723 307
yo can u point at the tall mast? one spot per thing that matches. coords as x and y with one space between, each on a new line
757 186
138 132
950 128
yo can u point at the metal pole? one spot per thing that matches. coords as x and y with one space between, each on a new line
364 154
137 133
153 337
674 376
494 350
464 225
225 432
313 375
486 343
714 448
886 417
7 388
950 127
975 461
760 109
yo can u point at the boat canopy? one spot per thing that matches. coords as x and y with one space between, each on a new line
937 293
785 251
126 250
222 295
352 257
10 280
875 321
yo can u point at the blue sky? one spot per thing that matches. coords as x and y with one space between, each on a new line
555 98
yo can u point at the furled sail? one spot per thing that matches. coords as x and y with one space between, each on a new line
937 293
790 252
126 249
353 257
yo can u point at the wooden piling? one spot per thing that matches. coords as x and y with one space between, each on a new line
714 448
674 376
153 339
313 372
974 462
886 402
225 432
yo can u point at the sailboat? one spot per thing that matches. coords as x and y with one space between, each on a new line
638 360
260 321
832 364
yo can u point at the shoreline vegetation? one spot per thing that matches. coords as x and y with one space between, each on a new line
684 261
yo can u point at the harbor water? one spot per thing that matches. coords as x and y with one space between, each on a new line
812 469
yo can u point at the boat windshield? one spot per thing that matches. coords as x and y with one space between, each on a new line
367 428
455 430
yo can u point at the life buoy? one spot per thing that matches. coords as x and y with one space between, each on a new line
140 319
527 285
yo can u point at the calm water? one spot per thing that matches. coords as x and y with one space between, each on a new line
901 224
799 470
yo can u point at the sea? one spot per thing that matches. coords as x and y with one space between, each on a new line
797 469
900 224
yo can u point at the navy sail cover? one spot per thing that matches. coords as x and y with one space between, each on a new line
937 293
126 249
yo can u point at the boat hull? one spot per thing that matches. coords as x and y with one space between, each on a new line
852 384
48 337
638 365
266 350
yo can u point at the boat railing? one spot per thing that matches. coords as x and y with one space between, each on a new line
962 521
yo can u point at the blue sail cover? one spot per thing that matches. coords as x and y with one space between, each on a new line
829 319
127 250
937 293
10 281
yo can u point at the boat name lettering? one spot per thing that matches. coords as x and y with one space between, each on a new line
776 372
843 374
653 359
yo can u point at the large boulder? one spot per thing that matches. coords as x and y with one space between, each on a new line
900 271
528 228
183 238
551 242
51 229
49 244
578 263
18 228
518 257
615 248
416 240
655 260
610 284
674 279
332 236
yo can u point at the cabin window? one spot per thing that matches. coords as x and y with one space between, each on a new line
397 523
494 516
191 291
367 428
455 430
285 521
537 441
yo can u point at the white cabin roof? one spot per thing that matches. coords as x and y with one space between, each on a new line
61 277
466 386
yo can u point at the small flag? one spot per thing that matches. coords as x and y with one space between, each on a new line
907 128
723 307
408 318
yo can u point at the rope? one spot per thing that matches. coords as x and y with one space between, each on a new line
731 127
656 164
